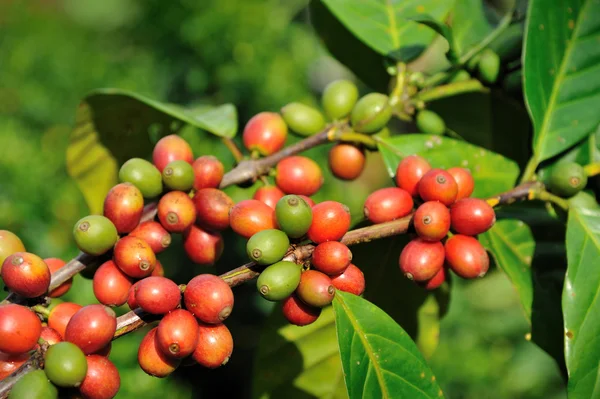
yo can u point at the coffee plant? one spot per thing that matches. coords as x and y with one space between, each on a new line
457 201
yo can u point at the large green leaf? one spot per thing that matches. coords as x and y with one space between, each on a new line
378 356
562 73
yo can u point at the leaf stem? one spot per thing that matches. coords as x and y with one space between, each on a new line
529 173
233 148
451 89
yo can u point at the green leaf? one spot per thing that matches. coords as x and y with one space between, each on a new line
378 357
444 30
562 73
385 26
581 304
492 172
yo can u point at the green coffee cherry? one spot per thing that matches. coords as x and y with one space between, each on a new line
302 119
33 385
143 175
430 123
489 66
178 175
294 215
279 280
339 98
473 62
567 179
95 234
65 364
371 113
267 246
460 76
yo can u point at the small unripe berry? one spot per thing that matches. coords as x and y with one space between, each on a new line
388 204
466 256
171 148
124 205
464 181
152 360
567 179
432 221
178 175
279 280
9 244
143 175
331 257
134 257
157 295
212 208
265 133
430 123
420 260
65 364
298 313
339 97
176 211
177 333
268 246
294 215
20 329
248 217
488 66
352 280
331 220
209 298
55 264
299 175
315 289
91 328
102 380
346 161
201 246
269 195
208 172
215 345
438 185
111 286
60 316
34 384
95 234
410 171
302 119
26 274
154 234
472 216
371 113
434 282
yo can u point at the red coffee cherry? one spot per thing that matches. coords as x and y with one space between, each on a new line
11 363
248 217
176 211
388 204
20 329
215 345
298 313
472 216
159 270
315 289
55 264
154 234
464 181
352 280
434 282
50 335
209 298
265 133
331 220
432 221
208 172
124 205
157 295
308 200
420 260
269 195
102 380
177 334
410 171
91 328
26 274
131 302
466 256
60 316
134 257
171 148
438 185
346 161
331 257
105 351
212 208
201 246
111 286
299 175
152 360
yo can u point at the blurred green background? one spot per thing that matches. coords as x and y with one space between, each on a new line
259 55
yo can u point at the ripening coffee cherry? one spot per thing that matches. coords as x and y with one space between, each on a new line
430 122
346 161
410 171
265 133
178 175
60 316
269 195
176 211
315 289
111 286
308 200
472 216
268 246
26 274
567 179
159 270
339 97
436 281
55 264
331 220
34 384
331 257
201 246
20 329
124 205
65 364
105 351
177 334
209 298
134 257
215 345
420 260
152 360
50 335
298 313
212 208
9 244
388 204
95 234
248 217
154 234
371 113
279 280
102 380
299 175
91 328
171 148
294 215
303 119
131 302
464 181
143 175
352 280
11 363
432 221
488 66
208 172
466 256
157 295
438 185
